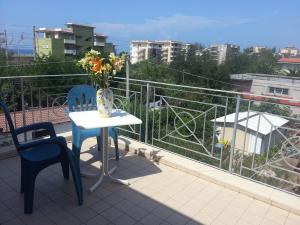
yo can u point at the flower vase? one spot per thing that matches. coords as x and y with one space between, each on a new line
104 102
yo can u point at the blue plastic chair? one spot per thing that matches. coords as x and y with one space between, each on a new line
83 98
37 155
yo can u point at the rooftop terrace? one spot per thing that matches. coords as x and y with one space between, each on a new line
182 169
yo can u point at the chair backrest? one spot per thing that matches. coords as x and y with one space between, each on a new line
82 98
10 122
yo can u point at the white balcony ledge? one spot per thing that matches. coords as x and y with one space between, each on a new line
69 41
70 51
253 189
98 43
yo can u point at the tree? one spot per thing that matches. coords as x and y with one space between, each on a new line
273 108
264 62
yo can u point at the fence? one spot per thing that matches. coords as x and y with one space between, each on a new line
250 135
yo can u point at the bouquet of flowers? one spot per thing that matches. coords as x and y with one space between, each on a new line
101 70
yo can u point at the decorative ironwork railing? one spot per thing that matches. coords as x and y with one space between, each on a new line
253 136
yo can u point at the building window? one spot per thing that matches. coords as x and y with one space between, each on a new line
280 91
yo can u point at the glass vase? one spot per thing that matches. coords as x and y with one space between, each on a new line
105 101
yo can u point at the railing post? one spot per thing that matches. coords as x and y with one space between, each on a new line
23 105
127 77
237 108
147 114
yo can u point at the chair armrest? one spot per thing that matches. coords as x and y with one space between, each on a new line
37 126
53 140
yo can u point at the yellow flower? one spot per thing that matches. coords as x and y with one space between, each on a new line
108 67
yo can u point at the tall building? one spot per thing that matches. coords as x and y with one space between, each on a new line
256 49
75 39
164 51
289 51
220 53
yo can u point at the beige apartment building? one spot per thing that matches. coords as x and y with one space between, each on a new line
289 51
219 53
257 49
164 50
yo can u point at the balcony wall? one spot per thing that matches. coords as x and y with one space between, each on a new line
70 51
69 41
97 43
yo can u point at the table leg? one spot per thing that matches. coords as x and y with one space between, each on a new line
105 165
104 142
76 150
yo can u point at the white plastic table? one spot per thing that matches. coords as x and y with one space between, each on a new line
92 120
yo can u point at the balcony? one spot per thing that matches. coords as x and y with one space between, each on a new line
70 51
98 43
69 41
179 165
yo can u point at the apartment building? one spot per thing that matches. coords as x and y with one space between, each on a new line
220 52
75 39
164 50
289 51
256 49
285 87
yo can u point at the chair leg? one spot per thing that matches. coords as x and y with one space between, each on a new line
29 192
76 177
99 146
117 149
65 167
76 153
99 143
114 135
23 170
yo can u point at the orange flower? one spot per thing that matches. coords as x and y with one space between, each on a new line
97 65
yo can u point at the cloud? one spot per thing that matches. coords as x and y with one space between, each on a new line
166 27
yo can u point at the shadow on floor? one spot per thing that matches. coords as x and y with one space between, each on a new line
55 200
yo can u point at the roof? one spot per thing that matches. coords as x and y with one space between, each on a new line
290 47
99 35
79 25
158 41
258 76
266 123
289 60
55 30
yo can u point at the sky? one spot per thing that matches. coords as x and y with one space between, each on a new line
271 23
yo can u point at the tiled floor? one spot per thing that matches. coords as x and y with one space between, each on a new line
158 194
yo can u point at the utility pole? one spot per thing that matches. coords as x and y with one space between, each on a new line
34 43
6 48
127 76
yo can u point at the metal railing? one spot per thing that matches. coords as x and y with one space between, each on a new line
254 136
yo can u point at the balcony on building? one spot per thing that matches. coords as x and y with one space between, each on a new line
70 51
99 40
56 33
70 41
